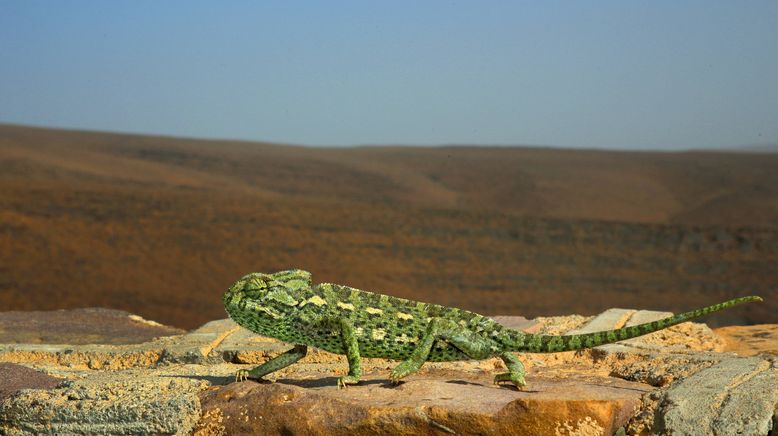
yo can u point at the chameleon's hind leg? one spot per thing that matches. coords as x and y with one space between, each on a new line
274 364
515 372
472 344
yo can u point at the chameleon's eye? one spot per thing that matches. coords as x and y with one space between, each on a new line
255 284
296 284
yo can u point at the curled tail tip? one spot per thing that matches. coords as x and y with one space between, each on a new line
748 299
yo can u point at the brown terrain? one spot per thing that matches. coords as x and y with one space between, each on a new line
161 227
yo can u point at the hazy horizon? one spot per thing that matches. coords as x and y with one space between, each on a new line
627 76
748 148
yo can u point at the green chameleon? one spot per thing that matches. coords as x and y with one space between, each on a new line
343 320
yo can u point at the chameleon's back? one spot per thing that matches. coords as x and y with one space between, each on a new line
391 327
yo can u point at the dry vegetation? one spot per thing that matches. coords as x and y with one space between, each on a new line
161 226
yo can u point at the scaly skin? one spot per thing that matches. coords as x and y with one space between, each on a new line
343 320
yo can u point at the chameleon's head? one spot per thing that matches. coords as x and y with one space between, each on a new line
265 296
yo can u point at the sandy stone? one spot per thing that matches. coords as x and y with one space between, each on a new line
105 402
688 336
94 357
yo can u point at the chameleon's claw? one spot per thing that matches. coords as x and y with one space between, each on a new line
395 376
346 380
241 375
517 380
405 368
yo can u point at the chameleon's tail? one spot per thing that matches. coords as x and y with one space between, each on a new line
552 344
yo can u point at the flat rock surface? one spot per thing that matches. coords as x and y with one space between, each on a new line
14 378
439 402
750 340
79 326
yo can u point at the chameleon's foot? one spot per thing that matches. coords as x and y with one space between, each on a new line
346 380
516 379
405 368
242 375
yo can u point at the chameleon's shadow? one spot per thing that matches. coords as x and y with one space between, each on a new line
214 380
303 383
463 382
501 386
324 382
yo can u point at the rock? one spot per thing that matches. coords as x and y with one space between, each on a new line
688 336
437 403
106 402
93 357
79 326
14 378
735 396
198 346
714 394
750 340
184 383
519 323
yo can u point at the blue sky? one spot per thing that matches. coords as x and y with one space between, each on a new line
612 74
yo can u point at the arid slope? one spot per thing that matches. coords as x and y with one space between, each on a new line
161 226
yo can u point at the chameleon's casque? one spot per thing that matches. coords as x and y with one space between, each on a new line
344 320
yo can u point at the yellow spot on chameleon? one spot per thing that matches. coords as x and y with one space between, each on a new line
317 300
374 311
378 334
345 306
404 316
403 338
359 331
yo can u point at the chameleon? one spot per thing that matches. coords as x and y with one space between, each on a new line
340 319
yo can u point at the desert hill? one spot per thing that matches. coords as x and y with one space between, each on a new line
161 226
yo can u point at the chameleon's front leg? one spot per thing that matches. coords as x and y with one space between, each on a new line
274 364
345 327
352 354
472 344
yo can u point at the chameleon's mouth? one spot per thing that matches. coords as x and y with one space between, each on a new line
231 298
234 304
231 302
270 311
